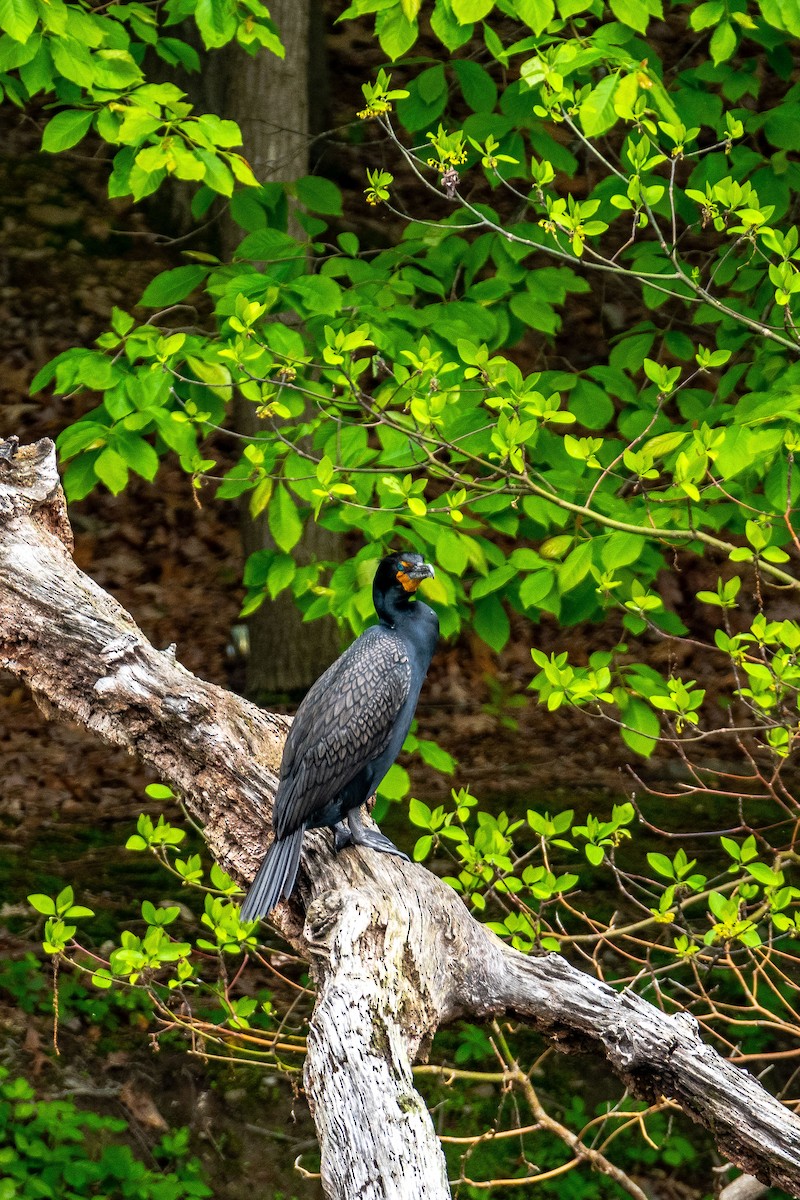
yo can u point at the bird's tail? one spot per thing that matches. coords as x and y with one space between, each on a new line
276 876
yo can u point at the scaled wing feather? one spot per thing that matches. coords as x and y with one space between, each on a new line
336 740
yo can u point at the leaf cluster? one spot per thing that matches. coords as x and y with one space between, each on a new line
52 1150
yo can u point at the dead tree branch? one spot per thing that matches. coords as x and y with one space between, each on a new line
394 951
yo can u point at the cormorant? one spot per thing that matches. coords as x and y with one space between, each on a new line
349 729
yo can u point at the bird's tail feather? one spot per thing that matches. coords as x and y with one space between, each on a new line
276 876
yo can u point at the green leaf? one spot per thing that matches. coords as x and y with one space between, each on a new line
477 86
707 13
452 551
630 352
284 522
634 13
723 42
422 847
642 727
17 54
467 11
242 171
115 69
18 18
170 287
535 587
575 567
425 101
216 21
281 572
66 129
73 60
537 14
591 405
37 74
43 904
395 783
493 44
320 195
493 581
722 908
159 791
138 454
781 14
437 757
396 33
735 454
213 374
319 294
111 469
220 880
764 874
349 243
731 848
217 175
268 243
556 547
446 27
662 864
597 112
621 549
419 813
491 622
219 132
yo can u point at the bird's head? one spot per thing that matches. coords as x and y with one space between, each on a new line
397 578
408 570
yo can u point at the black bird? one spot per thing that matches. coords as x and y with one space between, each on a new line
349 729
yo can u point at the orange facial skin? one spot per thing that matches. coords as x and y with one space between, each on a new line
407 583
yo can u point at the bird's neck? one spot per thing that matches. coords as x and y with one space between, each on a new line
394 609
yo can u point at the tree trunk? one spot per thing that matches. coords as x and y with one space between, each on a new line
285 655
270 99
394 952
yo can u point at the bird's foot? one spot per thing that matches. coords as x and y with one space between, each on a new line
341 836
375 840
352 833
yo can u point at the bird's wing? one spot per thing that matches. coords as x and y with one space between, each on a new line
344 723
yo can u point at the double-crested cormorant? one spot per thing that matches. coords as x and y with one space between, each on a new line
349 729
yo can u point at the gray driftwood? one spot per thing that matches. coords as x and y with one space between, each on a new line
394 952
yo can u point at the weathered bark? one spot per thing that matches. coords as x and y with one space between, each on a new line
85 659
394 951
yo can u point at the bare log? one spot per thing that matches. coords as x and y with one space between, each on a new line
394 952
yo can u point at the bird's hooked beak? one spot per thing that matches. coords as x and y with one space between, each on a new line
411 575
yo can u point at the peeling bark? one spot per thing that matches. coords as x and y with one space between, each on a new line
394 952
